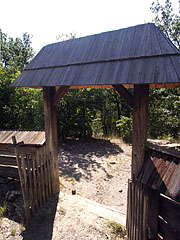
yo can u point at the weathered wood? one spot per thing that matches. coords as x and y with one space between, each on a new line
8 160
25 188
153 205
169 210
39 186
125 94
21 149
139 136
30 185
59 94
34 171
165 231
6 171
51 135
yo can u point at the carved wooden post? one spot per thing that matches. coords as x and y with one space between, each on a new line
140 119
51 134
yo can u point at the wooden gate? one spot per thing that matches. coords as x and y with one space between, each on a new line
151 215
36 180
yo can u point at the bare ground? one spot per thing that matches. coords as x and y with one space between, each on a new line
97 170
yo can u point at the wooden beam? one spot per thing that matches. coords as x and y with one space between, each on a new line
125 94
59 94
51 134
140 119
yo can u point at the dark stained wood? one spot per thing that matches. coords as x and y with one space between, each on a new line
59 94
51 135
136 55
125 94
153 207
169 210
165 231
6 171
8 160
139 136
161 172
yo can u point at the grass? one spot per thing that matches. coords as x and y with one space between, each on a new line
117 230
13 231
3 209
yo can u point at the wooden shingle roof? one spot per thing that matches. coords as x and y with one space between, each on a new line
33 138
136 55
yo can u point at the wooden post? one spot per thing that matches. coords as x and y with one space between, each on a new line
140 119
51 134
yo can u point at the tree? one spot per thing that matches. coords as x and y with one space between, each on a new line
165 103
167 20
20 108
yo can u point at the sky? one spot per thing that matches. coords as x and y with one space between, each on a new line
44 20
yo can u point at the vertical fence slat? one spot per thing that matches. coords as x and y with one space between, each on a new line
26 202
34 172
49 174
31 200
38 166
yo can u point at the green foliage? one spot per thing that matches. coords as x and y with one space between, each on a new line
117 230
164 113
125 126
167 21
3 209
165 103
20 108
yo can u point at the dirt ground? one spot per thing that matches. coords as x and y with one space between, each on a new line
97 169
93 181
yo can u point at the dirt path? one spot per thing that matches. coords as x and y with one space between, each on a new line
97 169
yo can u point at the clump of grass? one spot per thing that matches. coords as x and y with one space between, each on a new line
3 209
117 229
22 227
13 231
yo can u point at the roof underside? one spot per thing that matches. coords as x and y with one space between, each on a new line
134 55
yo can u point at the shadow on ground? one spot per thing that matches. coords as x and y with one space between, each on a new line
78 158
41 226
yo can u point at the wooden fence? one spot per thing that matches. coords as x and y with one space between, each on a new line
168 218
36 180
151 215
33 167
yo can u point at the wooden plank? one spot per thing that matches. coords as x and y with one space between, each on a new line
125 94
24 182
8 160
59 94
7 171
30 184
39 186
145 213
165 231
169 210
34 174
140 119
49 174
51 134
21 149
153 205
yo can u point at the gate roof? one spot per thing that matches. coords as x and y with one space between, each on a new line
136 55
